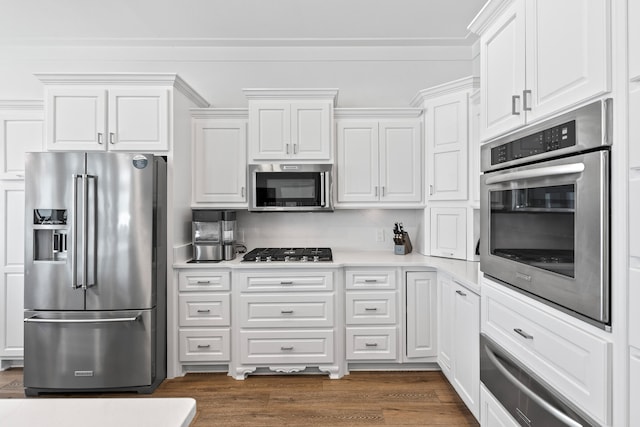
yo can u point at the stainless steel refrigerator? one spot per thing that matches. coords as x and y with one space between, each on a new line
95 272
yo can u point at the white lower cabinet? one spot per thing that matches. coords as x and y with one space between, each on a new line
204 311
572 357
420 317
492 413
458 339
285 322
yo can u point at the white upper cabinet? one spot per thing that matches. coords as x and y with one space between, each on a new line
538 57
21 131
111 112
379 159
219 174
290 124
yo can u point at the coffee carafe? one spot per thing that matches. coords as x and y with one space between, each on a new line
213 234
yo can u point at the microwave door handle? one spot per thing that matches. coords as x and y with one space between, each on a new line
323 178
537 173
563 418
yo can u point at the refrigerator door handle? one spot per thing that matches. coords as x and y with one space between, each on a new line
85 231
74 234
94 254
36 319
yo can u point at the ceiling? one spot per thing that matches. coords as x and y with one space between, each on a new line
238 22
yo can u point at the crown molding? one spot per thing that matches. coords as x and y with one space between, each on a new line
219 113
377 113
489 12
465 83
124 79
22 104
292 94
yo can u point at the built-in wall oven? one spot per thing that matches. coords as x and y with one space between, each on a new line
545 211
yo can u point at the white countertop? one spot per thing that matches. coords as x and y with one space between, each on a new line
464 271
96 412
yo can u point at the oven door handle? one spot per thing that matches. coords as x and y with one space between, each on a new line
563 418
537 173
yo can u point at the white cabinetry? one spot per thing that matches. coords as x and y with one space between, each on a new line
458 339
219 175
114 112
449 232
21 130
572 357
379 157
371 303
421 315
285 322
204 310
539 57
291 124
634 387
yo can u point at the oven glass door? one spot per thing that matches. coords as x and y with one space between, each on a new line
289 189
546 231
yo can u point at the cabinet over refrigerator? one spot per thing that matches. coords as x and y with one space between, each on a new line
95 272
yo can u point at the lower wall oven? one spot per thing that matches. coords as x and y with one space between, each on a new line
526 397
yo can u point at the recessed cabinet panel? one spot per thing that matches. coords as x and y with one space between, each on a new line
138 120
12 324
204 345
286 346
448 232
421 333
13 213
357 161
311 129
76 119
19 133
400 162
376 343
204 309
260 311
368 308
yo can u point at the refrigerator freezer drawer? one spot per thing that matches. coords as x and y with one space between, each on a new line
89 350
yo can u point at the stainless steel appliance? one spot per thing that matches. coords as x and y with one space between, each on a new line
545 212
289 255
213 235
526 397
95 272
290 187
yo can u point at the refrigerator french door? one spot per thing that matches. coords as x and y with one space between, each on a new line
95 272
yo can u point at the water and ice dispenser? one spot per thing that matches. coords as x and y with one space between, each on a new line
50 231
214 234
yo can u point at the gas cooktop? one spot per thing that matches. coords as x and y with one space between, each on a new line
289 255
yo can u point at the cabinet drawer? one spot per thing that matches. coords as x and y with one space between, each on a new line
371 279
286 310
371 343
570 359
277 282
367 308
195 280
286 346
204 309
205 345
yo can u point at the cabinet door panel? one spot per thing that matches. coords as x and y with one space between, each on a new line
220 162
138 120
568 56
270 130
445 323
311 130
421 314
76 119
400 162
12 214
357 161
19 133
502 63
448 232
634 392
466 344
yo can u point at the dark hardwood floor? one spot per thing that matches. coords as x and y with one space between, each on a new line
358 399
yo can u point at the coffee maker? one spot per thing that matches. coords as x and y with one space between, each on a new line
213 234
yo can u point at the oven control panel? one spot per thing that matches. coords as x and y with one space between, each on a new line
551 139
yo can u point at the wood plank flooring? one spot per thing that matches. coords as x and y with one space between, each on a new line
359 399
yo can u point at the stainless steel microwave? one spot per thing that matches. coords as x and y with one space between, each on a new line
290 187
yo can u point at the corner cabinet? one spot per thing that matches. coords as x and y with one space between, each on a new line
459 339
291 124
379 157
538 57
111 112
21 130
219 153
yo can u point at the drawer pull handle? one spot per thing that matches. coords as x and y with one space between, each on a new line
286 283
204 311
523 334
462 294
203 282
286 311
369 344
204 345
286 348
370 280
371 309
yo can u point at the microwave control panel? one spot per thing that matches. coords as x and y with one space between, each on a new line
554 138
